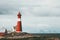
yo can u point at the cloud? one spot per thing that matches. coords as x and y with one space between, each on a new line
8 10
41 24
8 7
42 7
33 7
36 14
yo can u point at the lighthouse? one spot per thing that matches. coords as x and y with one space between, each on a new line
19 25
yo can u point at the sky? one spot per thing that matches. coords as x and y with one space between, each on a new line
38 16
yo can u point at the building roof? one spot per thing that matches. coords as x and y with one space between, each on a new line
2 34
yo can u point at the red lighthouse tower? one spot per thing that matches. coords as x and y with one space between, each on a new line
19 25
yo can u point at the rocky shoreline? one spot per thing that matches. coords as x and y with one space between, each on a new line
27 36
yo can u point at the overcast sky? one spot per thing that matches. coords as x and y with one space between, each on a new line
38 16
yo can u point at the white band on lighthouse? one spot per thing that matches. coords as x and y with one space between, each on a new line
19 19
